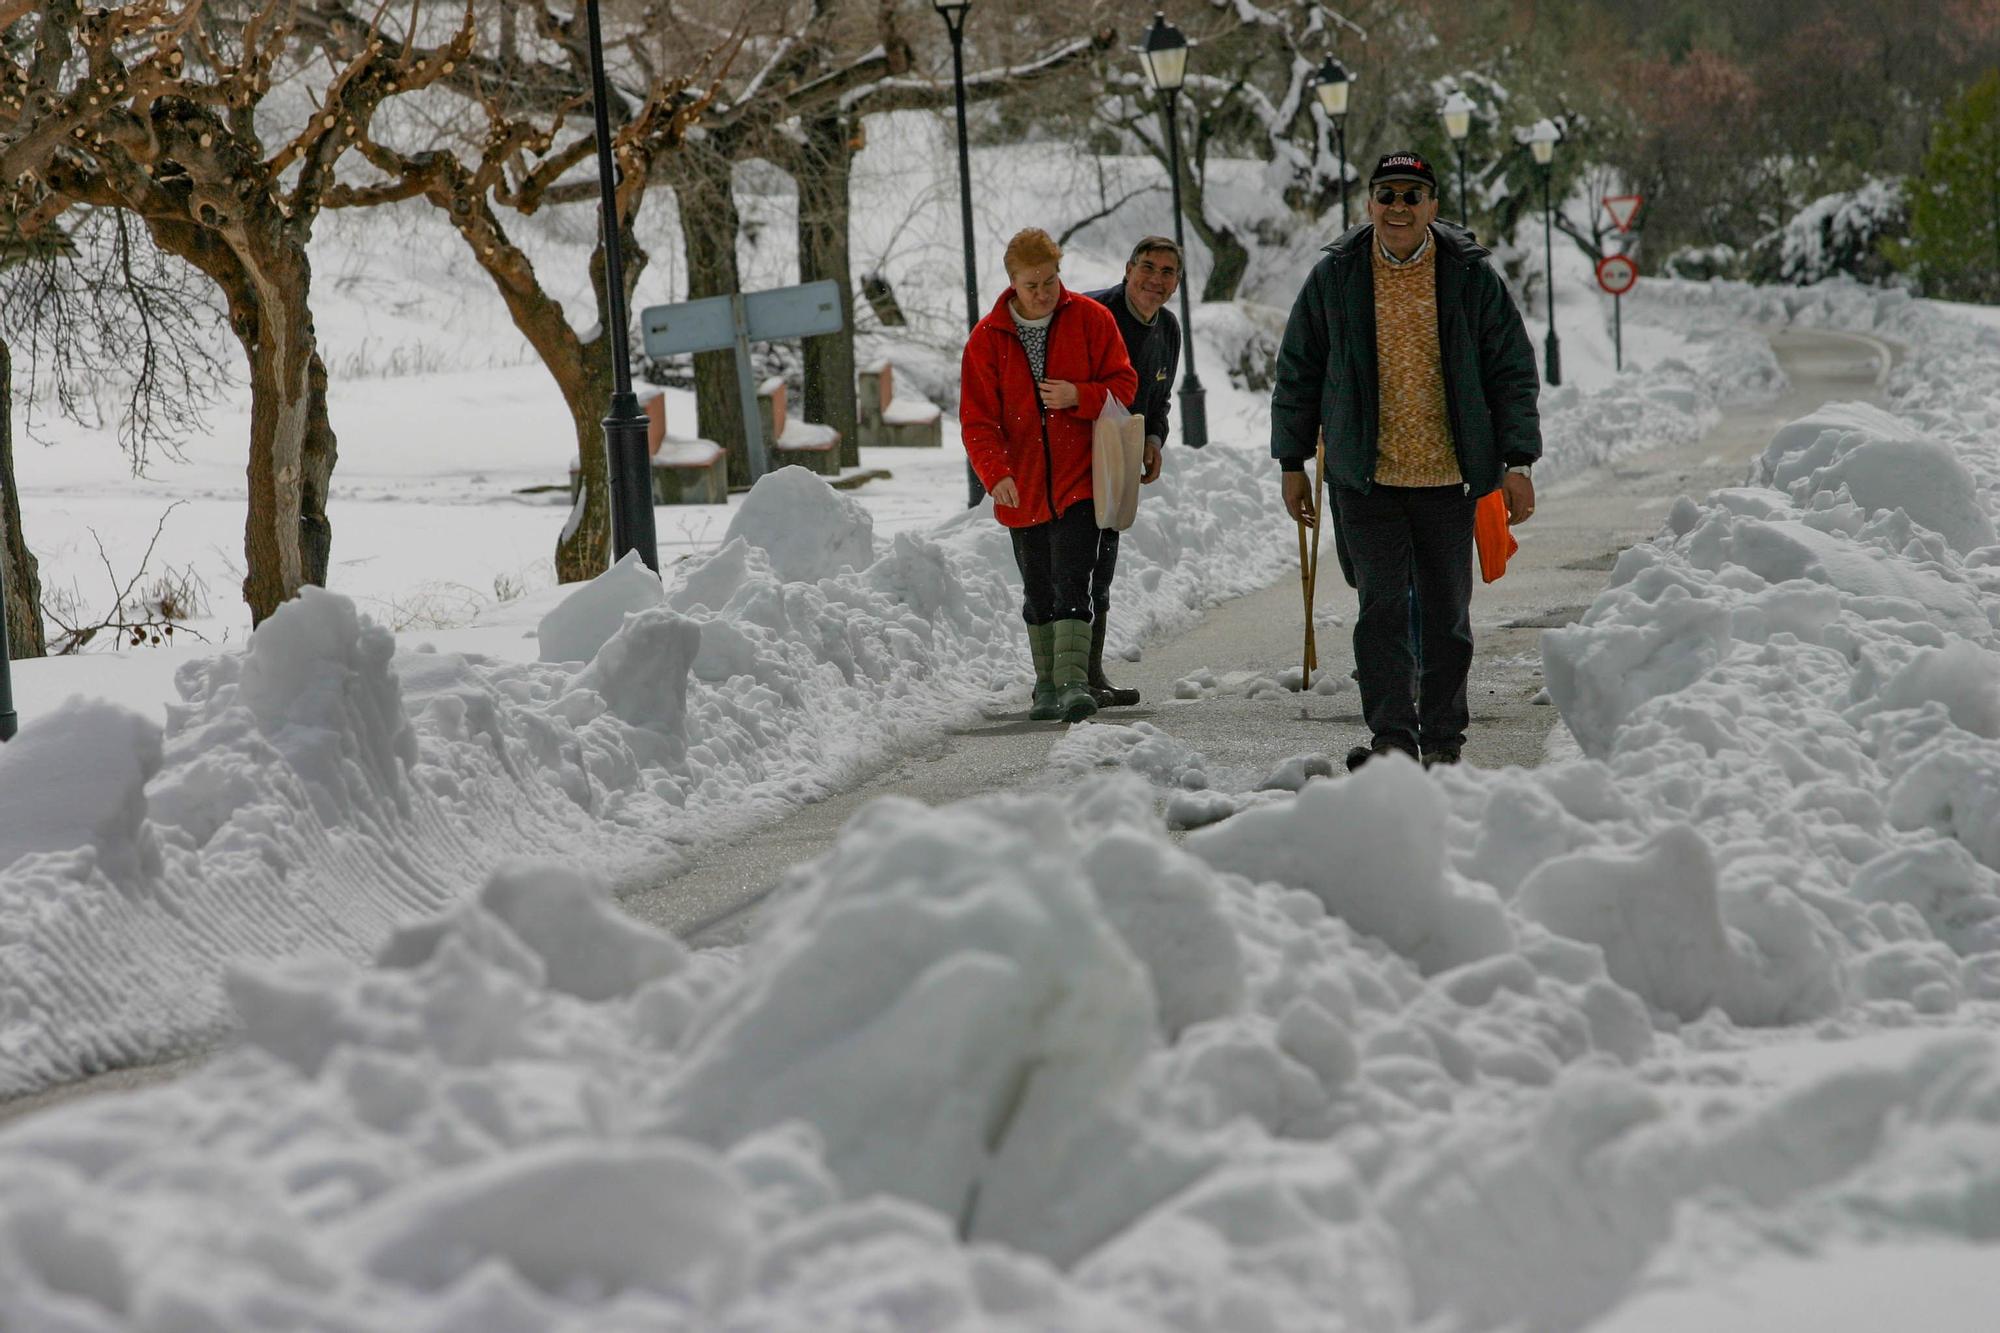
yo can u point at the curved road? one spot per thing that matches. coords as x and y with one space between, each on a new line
1566 551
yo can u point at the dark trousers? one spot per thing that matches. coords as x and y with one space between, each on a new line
1403 540
1056 560
1100 577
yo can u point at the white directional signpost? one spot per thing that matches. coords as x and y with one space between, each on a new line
737 320
1617 273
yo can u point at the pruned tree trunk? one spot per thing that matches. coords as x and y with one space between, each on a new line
824 252
1231 262
291 440
582 372
584 549
321 451
23 608
709 224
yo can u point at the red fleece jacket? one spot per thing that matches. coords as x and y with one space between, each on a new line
1007 432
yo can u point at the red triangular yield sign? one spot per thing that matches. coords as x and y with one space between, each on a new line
1623 208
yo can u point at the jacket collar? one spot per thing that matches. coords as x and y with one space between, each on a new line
1002 318
1451 239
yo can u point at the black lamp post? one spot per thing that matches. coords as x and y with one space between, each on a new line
1542 143
9 723
1458 124
1331 85
1165 57
953 13
624 424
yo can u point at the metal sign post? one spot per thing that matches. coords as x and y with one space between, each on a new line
1617 274
716 323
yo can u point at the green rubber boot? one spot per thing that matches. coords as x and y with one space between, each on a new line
1072 673
1102 690
1042 643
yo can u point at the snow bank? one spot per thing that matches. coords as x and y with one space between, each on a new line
1018 1063
937 1077
318 788
1388 1051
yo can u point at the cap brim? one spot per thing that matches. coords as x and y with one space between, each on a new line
1400 176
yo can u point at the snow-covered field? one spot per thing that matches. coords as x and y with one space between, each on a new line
1696 1032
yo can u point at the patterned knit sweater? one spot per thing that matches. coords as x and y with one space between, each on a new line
1416 445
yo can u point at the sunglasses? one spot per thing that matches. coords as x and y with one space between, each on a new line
1413 196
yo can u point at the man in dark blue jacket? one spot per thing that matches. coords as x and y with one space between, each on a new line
1153 342
1406 354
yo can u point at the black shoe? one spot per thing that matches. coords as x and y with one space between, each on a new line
1361 754
1110 696
1446 754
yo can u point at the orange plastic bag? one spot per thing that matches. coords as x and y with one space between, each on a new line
1491 536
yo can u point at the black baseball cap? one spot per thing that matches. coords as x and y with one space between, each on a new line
1404 166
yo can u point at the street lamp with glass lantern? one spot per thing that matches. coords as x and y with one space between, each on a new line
624 423
953 13
1542 143
1457 112
1331 86
1165 59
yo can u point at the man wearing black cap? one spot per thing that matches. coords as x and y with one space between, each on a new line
1406 354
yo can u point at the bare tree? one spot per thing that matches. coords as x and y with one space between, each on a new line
812 71
96 305
21 613
158 109
519 158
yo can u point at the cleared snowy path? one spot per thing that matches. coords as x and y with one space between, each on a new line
1566 554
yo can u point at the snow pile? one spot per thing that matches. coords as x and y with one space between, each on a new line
319 787
1796 685
1028 1022
1389 1051
1018 1063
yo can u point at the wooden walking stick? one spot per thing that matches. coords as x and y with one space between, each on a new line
1306 594
1312 574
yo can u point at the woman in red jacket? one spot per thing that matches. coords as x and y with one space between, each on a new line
1036 372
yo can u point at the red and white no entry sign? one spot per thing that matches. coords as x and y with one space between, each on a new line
1616 274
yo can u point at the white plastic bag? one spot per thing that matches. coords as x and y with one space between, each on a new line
1117 458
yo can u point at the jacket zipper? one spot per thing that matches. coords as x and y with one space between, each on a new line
1048 453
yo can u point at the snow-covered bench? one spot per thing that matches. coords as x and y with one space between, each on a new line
897 419
684 472
811 446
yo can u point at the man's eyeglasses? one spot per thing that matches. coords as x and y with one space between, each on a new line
1413 196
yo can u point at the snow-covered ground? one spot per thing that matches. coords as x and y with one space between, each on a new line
1694 1032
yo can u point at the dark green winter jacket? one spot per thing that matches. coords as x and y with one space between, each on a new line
1327 375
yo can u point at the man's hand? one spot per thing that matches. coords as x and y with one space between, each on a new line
1519 492
1151 472
1299 498
1058 394
1005 494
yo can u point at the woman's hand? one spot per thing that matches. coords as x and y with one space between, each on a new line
1058 394
1005 494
